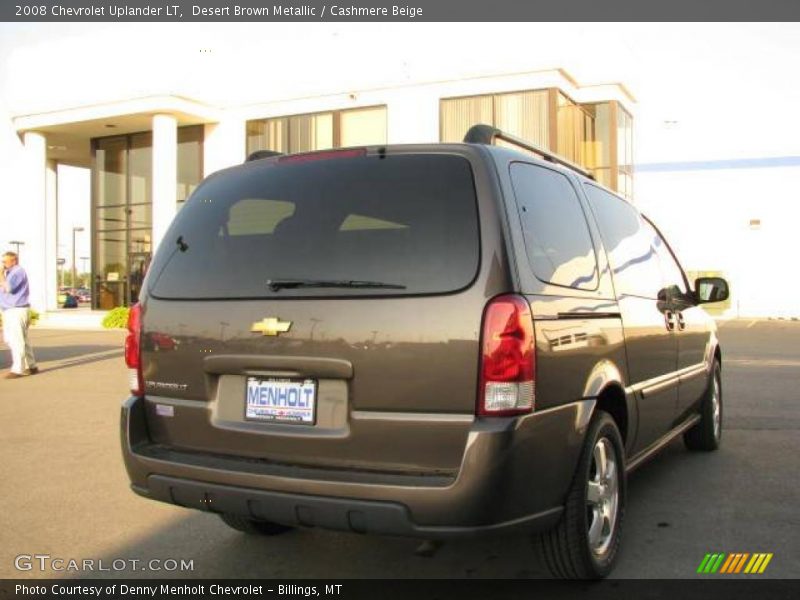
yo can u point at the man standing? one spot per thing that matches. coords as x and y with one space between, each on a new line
15 305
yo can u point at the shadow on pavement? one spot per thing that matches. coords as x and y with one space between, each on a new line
67 356
217 551
113 353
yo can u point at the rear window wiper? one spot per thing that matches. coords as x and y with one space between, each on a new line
279 284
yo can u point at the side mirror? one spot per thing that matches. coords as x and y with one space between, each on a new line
710 289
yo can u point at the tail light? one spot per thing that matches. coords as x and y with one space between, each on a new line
133 355
508 358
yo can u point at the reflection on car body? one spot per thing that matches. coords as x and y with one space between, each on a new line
483 342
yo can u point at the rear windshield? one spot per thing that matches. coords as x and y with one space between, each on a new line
369 225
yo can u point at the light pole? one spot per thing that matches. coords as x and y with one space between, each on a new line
74 270
17 244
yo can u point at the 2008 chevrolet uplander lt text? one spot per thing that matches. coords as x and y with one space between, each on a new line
434 340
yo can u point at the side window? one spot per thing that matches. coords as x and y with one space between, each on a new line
634 262
557 239
671 273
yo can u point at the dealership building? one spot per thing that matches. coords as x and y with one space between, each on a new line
147 155
148 121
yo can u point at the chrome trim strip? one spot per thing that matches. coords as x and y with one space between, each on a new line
656 384
152 399
589 315
662 382
368 415
693 371
659 384
659 444
304 366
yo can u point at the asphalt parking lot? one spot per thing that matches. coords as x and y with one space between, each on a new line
65 491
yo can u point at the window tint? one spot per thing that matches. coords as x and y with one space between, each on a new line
629 244
405 220
557 238
250 216
356 222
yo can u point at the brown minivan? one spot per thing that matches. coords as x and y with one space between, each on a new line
435 340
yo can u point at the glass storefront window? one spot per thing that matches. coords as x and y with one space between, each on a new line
602 133
459 114
583 133
111 217
613 146
601 144
318 131
140 215
122 202
310 132
603 176
111 168
110 200
576 132
110 259
268 134
625 152
123 174
140 169
110 269
523 114
190 161
362 127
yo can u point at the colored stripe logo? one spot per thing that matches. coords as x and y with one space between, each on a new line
734 563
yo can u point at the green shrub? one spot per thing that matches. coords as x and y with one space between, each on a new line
32 314
117 318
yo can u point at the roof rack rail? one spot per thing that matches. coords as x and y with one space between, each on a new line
259 154
486 134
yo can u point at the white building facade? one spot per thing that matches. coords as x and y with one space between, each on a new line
692 122
147 154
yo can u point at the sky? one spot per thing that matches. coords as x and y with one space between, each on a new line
704 91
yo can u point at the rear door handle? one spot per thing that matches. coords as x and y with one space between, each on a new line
669 320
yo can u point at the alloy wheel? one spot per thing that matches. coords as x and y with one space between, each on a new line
716 410
602 498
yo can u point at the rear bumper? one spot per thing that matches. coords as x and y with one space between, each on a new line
513 478
344 514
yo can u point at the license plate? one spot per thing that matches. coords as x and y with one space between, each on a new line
281 400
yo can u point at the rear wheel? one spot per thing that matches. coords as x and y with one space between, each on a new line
253 527
707 434
585 542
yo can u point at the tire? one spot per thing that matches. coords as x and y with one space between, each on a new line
253 527
707 434
585 542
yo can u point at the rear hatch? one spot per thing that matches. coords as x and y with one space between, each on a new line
321 310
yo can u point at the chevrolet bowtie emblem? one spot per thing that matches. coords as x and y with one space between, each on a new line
271 326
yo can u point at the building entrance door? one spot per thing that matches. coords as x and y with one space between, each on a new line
138 262
122 209
123 217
